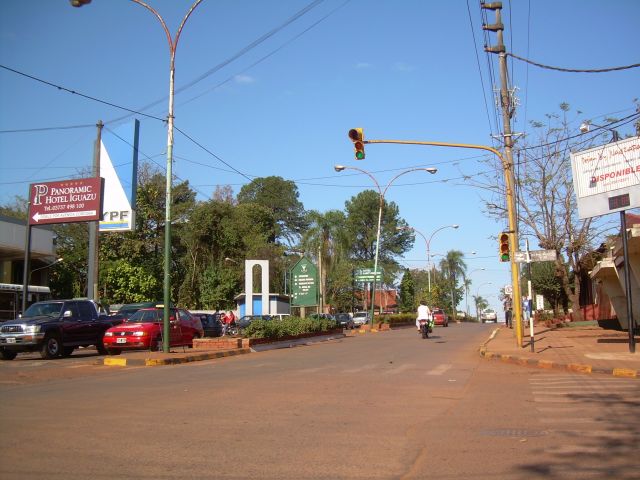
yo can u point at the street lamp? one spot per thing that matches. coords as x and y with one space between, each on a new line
429 251
381 192
173 45
26 293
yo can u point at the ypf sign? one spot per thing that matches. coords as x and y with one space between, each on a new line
77 200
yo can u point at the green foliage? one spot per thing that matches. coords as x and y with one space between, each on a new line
398 319
407 301
125 283
274 329
280 197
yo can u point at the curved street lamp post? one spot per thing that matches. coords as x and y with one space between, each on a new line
381 192
173 45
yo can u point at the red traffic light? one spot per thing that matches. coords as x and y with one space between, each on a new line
357 137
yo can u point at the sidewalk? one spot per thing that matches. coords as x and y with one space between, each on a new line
581 347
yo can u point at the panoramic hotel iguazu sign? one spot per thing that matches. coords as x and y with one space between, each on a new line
77 200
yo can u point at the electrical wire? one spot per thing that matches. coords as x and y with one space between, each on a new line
475 47
574 70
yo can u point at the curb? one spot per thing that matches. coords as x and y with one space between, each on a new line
150 362
548 364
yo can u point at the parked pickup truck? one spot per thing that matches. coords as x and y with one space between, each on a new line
55 328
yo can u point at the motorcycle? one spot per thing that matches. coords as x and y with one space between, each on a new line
426 327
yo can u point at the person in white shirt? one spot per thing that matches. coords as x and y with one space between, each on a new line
424 313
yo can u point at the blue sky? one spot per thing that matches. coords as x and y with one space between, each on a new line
409 70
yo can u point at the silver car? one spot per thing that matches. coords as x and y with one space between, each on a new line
489 315
361 318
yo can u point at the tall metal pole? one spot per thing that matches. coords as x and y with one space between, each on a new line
627 283
381 192
94 227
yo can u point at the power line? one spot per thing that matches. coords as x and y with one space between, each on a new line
44 129
73 92
574 70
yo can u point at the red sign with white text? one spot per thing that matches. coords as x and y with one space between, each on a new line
77 200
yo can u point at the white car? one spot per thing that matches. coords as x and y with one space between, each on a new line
489 315
361 318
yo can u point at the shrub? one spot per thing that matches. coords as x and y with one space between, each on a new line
291 326
397 319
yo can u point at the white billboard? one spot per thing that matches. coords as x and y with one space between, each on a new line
119 168
606 178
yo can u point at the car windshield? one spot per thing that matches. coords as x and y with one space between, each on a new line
46 309
342 316
148 316
360 314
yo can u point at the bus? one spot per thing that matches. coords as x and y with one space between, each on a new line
11 299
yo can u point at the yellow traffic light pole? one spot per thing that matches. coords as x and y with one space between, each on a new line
511 211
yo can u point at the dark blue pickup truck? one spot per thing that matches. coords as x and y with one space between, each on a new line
55 328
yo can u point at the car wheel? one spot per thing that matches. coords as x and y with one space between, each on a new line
100 347
113 351
7 354
51 347
156 344
67 351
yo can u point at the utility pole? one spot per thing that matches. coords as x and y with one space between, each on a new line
94 227
506 104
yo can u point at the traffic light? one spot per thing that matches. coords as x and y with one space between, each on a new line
357 137
503 238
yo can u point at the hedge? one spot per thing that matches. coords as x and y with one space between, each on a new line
288 327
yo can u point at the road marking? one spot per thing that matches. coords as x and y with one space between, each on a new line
440 369
400 369
362 368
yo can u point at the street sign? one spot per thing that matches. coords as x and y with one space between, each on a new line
536 256
77 200
304 283
363 275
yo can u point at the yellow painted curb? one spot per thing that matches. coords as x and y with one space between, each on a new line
577 367
117 362
624 372
545 363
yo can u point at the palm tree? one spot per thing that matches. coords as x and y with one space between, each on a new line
326 241
454 267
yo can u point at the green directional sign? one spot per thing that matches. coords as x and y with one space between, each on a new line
304 283
367 275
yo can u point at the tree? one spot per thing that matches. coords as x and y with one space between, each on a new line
545 197
361 227
325 239
407 302
454 270
280 197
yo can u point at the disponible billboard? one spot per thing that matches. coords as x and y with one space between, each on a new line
119 168
77 200
607 178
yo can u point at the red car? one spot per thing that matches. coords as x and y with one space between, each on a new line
143 330
439 317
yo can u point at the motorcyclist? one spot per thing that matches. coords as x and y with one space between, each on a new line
424 313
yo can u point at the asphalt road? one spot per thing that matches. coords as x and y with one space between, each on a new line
376 406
